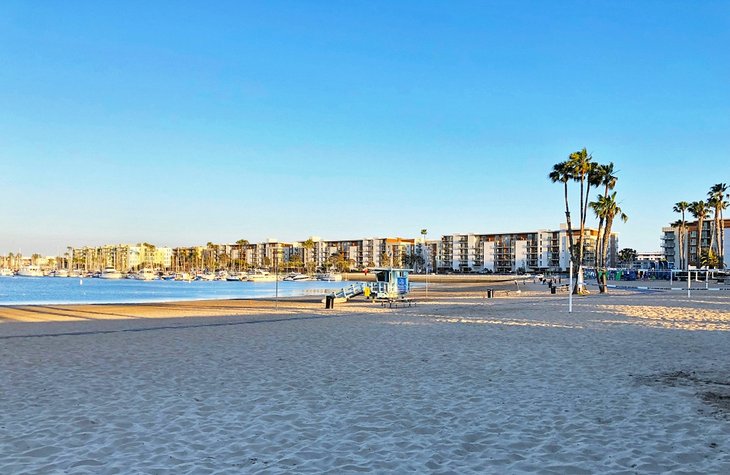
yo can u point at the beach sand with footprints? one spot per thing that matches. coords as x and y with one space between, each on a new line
632 382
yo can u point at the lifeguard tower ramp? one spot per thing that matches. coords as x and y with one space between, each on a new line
346 293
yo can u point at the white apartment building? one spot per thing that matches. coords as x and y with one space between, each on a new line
539 250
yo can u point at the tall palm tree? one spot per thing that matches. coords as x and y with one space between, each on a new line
562 172
582 167
718 199
682 207
599 208
612 211
604 175
700 213
308 245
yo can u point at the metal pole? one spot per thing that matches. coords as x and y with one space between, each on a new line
276 273
689 283
570 290
425 253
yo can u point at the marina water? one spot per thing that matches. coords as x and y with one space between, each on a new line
49 290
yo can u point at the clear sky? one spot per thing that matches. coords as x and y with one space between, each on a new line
182 122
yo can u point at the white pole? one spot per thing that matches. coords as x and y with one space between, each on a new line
425 253
570 289
689 280
276 276
671 274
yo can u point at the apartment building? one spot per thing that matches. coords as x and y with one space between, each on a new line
369 252
669 242
123 257
540 250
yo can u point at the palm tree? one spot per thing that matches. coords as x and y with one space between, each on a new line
700 213
241 243
627 256
679 224
682 207
709 259
583 170
562 173
599 208
308 245
606 176
612 210
718 199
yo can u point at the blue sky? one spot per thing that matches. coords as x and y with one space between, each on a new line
186 122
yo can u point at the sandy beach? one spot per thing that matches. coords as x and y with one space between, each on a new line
632 382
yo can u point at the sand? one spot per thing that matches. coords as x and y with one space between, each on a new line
628 383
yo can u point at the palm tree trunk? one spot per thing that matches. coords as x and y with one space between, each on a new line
599 257
684 259
722 240
681 246
606 239
700 222
570 227
718 231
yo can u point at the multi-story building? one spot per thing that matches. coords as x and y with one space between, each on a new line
692 244
123 257
649 260
539 250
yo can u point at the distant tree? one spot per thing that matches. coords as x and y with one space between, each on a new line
294 263
242 244
385 259
709 259
627 256
308 258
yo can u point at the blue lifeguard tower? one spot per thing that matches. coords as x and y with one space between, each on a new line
390 283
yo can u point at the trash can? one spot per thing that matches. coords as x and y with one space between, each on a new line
553 290
329 301
490 293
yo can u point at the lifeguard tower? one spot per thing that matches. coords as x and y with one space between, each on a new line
390 284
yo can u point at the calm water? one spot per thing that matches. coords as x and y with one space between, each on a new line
52 290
